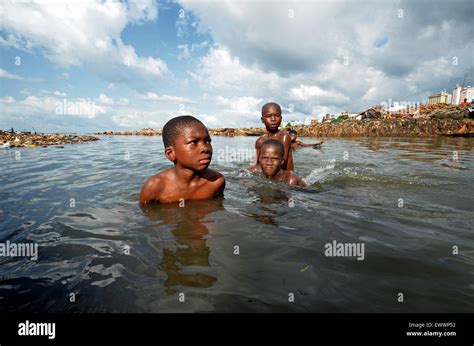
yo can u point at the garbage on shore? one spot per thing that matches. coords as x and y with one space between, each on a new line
420 121
227 131
389 128
142 132
9 139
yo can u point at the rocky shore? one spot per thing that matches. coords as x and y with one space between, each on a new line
247 131
422 121
389 128
30 140
142 132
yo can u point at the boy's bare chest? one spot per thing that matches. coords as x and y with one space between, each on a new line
178 192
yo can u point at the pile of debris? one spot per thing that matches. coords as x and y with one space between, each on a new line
142 132
431 111
20 139
403 127
231 132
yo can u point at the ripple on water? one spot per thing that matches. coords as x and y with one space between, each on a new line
130 259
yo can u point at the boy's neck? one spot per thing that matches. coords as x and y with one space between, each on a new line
270 133
185 174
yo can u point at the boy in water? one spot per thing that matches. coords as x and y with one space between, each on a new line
271 117
299 144
270 162
188 145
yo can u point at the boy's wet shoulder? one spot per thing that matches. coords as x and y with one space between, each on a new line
212 175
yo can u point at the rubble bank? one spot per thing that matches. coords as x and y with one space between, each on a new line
32 140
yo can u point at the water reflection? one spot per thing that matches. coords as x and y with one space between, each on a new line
190 251
268 194
447 152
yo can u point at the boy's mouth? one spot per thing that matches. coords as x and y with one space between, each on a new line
268 168
205 160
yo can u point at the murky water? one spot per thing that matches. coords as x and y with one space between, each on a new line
409 201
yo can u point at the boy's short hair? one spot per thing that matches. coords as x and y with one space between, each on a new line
273 143
172 128
292 132
271 104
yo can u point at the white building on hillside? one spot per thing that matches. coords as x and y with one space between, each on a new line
460 93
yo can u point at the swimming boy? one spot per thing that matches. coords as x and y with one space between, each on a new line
271 117
270 162
299 144
188 145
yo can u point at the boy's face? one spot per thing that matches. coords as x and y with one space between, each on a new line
271 117
271 159
293 137
192 149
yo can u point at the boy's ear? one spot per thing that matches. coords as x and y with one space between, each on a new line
261 118
169 153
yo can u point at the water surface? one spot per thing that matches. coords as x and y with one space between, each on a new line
409 201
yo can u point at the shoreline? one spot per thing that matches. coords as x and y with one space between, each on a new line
397 127
19 139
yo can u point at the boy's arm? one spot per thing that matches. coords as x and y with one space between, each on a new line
258 143
254 168
149 191
221 186
301 144
287 156
295 180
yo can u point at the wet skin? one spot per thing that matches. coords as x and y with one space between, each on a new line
271 117
190 178
299 144
270 163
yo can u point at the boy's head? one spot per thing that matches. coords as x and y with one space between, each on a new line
293 134
187 142
271 116
271 157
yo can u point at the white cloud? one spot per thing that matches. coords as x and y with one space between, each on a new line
105 100
186 54
8 75
308 92
327 56
151 96
58 93
84 34
245 105
50 106
7 99
219 69
122 101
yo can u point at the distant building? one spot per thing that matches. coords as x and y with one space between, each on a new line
296 123
442 97
460 93
350 115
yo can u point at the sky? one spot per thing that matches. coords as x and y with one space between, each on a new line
90 65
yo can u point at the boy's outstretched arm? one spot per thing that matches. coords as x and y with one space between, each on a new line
301 144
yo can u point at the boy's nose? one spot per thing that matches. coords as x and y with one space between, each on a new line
205 147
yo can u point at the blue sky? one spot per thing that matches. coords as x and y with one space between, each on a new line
108 65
